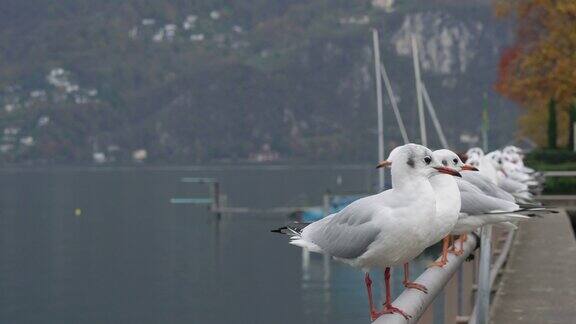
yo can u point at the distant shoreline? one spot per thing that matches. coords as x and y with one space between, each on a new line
198 167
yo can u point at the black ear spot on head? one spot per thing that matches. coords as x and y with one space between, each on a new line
411 162
444 162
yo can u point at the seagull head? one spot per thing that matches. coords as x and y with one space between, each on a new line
451 160
511 156
475 152
509 150
495 157
414 160
473 161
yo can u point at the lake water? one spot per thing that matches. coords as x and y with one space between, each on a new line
97 245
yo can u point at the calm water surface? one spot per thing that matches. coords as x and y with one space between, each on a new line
131 256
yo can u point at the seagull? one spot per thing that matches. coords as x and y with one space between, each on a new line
471 174
477 207
476 157
382 230
492 167
514 168
518 189
448 203
516 156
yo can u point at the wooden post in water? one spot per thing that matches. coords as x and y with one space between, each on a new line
326 203
216 199
326 257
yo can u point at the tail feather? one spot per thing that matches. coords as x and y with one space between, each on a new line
293 229
280 230
530 205
528 211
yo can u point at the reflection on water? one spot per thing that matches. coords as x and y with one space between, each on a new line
132 257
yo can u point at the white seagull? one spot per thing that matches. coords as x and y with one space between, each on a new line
477 207
448 203
383 230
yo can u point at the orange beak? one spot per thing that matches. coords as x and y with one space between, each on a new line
468 167
448 171
384 164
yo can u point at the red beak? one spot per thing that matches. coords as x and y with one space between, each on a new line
468 167
448 171
384 164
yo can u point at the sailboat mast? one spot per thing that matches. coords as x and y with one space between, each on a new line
435 120
421 116
392 98
379 106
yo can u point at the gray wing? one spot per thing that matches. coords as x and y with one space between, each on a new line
346 234
511 186
475 202
487 187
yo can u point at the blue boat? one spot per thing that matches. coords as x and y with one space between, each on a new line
336 204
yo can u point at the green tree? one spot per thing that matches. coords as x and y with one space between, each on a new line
552 131
571 126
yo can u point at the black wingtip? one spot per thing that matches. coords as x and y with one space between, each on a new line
530 205
279 230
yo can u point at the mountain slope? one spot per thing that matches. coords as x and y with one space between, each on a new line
208 81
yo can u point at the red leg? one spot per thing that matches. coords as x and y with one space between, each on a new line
388 308
374 314
408 284
444 259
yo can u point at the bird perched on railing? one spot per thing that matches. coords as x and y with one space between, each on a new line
516 179
482 202
448 205
424 205
383 230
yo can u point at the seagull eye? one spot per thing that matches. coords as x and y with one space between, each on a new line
427 160
455 161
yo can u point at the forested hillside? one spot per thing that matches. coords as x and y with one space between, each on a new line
204 81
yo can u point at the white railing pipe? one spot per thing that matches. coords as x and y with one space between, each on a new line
415 302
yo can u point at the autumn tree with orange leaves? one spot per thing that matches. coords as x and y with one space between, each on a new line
541 65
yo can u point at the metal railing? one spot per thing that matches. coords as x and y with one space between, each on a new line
559 174
558 200
467 286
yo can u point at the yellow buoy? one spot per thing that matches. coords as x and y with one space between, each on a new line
77 211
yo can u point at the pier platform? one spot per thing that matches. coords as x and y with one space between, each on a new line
539 282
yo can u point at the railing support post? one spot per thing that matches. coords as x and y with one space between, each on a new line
484 287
